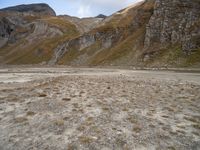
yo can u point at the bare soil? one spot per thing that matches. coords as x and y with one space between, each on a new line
98 109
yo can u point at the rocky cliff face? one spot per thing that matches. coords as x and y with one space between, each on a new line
108 42
79 45
17 22
11 30
174 22
28 33
5 30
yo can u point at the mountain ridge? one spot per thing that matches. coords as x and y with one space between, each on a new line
31 9
134 36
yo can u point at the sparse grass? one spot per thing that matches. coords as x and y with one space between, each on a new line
181 132
105 108
30 113
39 51
13 99
194 119
174 56
137 128
86 139
66 118
61 23
196 126
170 109
165 116
31 18
71 147
133 119
59 122
75 105
171 148
152 126
89 121
121 20
122 46
119 50
73 53
42 95
70 55
174 133
96 129
91 50
196 133
81 128
66 99
21 119
125 109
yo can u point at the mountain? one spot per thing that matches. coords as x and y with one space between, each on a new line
29 35
83 24
101 16
173 33
32 9
110 42
152 33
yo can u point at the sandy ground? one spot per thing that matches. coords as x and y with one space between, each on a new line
98 109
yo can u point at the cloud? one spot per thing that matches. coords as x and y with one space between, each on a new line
88 8
84 11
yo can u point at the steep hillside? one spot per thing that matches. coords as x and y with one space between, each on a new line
119 36
29 37
153 33
84 24
173 34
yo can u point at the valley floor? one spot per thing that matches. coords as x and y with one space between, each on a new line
88 108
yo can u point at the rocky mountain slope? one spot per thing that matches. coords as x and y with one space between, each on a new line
174 28
84 24
29 35
151 33
32 9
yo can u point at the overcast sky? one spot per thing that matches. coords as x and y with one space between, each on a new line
79 8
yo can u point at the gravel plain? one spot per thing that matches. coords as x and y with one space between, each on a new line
98 109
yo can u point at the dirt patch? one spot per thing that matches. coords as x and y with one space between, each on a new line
98 109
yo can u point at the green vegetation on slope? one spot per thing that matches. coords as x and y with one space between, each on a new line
119 50
41 50
64 25
173 56
128 30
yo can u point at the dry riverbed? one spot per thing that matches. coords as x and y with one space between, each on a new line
98 109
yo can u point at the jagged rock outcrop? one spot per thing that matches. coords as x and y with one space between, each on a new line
11 31
16 22
106 40
32 9
5 30
174 22
5 27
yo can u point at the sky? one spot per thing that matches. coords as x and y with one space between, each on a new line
79 8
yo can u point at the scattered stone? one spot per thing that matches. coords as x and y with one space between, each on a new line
42 95
66 99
